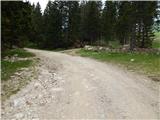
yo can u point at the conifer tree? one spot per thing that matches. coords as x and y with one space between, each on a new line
53 26
92 26
109 20
37 22
16 23
73 22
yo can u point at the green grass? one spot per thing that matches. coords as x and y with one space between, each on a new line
19 52
148 63
9 68
156 42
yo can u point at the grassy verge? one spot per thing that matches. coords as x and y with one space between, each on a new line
19 52
11 85
9 68
156 42
148 63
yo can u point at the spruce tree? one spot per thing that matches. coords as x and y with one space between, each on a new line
145 15
16 23
37 22
109 20
53 26
92 26
73 23
123 26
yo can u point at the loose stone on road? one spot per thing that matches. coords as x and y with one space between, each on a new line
73 87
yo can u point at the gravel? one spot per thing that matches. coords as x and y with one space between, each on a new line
72 87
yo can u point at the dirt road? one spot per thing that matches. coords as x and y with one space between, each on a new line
72 87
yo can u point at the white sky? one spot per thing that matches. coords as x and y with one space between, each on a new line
43 3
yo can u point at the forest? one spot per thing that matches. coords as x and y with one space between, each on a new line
80 59
73 24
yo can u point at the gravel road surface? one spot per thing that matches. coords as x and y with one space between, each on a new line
73 87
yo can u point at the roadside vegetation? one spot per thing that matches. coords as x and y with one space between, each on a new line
143 62
9 67
147 63
15 65
18 52
13 77
156 42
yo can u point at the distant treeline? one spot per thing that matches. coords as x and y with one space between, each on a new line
68 24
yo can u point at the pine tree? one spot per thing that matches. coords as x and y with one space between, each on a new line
135 23
109 20
83 8
123 27
37 23
147 13
92 26
73 22
65 23
53 25
16 23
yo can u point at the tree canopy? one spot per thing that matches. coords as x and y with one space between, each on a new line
69 24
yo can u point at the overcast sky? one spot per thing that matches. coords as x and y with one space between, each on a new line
43 3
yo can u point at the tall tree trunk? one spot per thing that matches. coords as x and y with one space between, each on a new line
143 38
139 33
133 40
